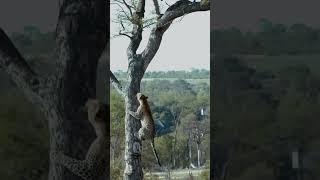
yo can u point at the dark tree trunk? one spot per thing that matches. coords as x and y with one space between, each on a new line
81 37
222 161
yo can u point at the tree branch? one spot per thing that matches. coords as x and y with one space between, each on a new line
123 11
123 29
116 84
181 8
17 67
178 9
137 29
156 7
124 34
129 8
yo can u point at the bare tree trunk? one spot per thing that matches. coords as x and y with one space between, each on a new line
176 115
199 153
133 169
190 148
175 145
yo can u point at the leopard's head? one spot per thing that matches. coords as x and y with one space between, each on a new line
97 111
141 98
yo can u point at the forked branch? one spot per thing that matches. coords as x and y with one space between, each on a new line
178 9
137 29
156 7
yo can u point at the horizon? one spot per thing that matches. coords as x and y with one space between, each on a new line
255 25
189 70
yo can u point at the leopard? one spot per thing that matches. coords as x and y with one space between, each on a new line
94 164
147 130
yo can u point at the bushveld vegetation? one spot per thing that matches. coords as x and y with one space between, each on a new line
266 102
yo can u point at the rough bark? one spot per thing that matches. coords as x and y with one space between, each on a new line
133 169
81 37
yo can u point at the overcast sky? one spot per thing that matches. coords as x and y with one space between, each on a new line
14 14
246 13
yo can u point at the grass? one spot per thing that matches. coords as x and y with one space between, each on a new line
176 174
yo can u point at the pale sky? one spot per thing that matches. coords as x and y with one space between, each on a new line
185 45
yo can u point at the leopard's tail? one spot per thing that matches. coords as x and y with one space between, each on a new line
155 152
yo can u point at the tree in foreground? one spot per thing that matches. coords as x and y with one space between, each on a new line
132 15
81 35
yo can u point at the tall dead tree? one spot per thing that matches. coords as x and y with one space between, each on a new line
81 36
138 63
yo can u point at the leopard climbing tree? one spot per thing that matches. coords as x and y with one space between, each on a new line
82 33
132 21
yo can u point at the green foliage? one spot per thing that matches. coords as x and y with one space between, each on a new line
164 147
117 112
116 173
175 104
270 39
34 42
24 135
205 174
260 116
207 164
258 171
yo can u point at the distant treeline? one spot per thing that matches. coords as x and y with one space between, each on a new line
32 41
193 74
269 39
